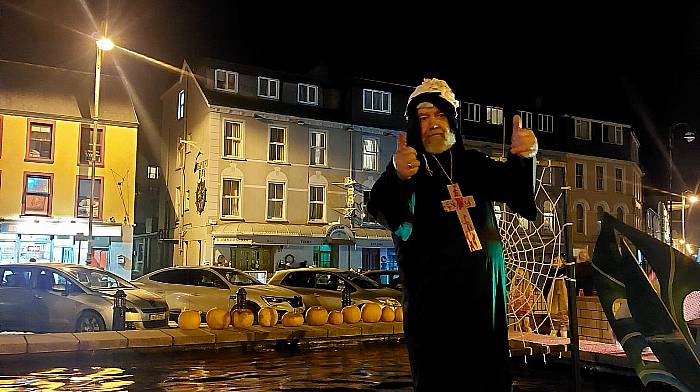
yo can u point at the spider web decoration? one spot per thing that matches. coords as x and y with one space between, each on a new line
533 252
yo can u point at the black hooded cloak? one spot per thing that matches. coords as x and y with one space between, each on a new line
454 299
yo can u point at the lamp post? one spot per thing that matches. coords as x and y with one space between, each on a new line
103 44
689 136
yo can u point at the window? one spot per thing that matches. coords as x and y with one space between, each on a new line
317 148
86 145
277 142
545 123
580 175
580 219
233 139
370 154
152 172
366 217
548 215
37 194
316 203
600 211
40 141
376 101
546 176
231 198
473 112
175 276
619 180
612 134
523 223
526 119
599 178
187 200
620 214
226 80
181 104
583 129
308 94
275 200
178 201
268 88
82 202
494 115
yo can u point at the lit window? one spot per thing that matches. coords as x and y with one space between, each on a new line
37 195
40 143
370 154
233 139
583 129
181 104
153 172
494 115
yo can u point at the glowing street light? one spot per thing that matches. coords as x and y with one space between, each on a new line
103 44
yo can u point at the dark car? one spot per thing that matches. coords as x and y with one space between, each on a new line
385 278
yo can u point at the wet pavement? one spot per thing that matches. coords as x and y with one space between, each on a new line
365 367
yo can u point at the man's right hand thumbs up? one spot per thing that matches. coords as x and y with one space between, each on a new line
405 161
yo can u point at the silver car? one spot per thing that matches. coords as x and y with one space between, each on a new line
202 288
324 287
54 297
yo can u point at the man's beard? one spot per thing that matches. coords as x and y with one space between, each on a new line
439 144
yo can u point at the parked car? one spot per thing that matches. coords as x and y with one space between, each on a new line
54 297
385 278
202 288
324 287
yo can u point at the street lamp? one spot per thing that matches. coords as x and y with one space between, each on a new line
689 136
103 44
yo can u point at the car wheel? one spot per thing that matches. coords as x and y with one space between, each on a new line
90 322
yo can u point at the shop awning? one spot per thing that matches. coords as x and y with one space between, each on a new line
268 234
243 233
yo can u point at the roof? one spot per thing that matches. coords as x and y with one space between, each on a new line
40 91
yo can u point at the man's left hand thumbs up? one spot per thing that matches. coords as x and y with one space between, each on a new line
523 141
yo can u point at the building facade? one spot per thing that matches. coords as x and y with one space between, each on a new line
45 170
266 169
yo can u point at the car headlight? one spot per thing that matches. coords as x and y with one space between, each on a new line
388 302
272 300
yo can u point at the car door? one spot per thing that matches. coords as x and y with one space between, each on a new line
328 290
304 284
15 299
174 285
209 291
55 307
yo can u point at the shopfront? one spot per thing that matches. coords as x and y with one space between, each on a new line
65 242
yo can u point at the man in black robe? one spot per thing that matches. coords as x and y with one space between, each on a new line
437 200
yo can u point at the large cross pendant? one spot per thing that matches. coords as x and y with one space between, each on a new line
460 204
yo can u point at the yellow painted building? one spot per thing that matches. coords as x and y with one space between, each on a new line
45 172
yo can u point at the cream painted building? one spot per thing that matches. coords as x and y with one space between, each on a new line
265 168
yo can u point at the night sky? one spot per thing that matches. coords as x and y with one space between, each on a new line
633 64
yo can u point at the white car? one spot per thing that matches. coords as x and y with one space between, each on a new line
202 288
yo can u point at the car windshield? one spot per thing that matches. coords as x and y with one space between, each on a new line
360 280
97 280
237 277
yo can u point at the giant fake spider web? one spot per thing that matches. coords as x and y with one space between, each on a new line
533 254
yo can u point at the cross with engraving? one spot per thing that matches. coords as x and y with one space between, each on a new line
459 204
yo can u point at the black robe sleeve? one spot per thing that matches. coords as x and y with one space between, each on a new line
389 199
512 182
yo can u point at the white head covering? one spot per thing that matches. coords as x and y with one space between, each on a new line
435 86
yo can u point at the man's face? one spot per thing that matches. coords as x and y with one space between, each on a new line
435 129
